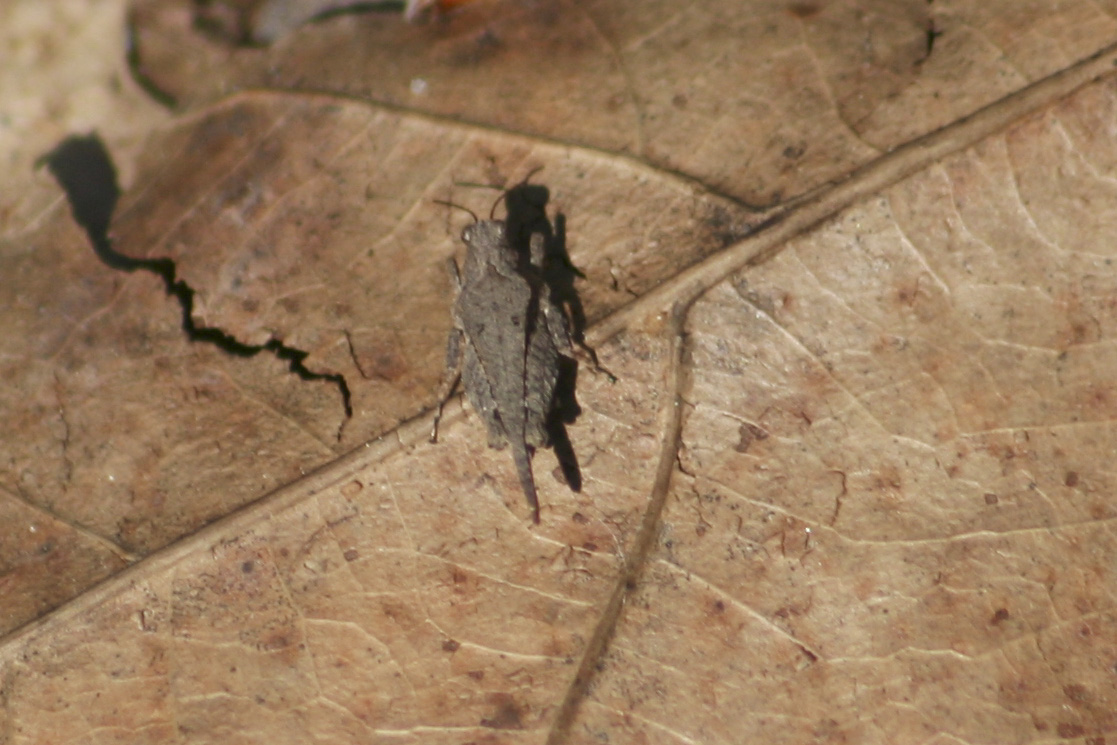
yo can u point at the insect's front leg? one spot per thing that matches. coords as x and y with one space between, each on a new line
453 374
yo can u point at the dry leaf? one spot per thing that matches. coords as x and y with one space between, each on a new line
759 100
850 485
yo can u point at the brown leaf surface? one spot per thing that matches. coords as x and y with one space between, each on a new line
293 219
851 484
893 518
763 101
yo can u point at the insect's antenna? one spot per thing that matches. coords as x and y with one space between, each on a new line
530 173
458 206
523 182
475 185
492 212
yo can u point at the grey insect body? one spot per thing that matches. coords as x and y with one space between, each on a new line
507 340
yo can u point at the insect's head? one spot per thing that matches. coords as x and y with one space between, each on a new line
484 233
486 239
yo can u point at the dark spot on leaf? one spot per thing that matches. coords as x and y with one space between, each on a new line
723 228
1069 730
508 715
748 434
803 10
1076 692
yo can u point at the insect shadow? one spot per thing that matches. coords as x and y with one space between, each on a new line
526 206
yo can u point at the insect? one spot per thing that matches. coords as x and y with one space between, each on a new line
508 342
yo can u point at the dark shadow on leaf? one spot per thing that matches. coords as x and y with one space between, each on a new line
526 206
565 412
83 168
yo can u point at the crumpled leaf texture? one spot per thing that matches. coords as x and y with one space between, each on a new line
763 101
889 516
297 220
384 605
894 517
